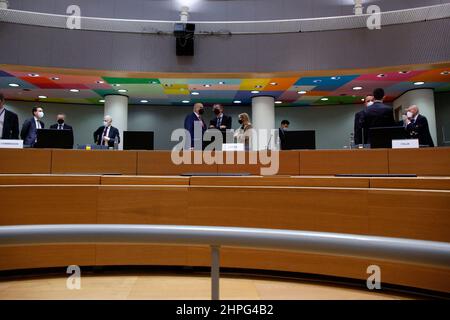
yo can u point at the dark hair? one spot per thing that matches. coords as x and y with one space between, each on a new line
285 122
35 109
378 94
2 97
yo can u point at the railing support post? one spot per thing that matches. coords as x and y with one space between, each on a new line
215 272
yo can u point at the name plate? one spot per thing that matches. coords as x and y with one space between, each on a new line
233 147
405 144
11 144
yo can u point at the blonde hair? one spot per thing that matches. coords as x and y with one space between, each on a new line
245 117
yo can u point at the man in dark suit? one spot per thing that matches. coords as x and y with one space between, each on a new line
377 115
9 122
220 121
359 121
30 127
61 124
191 122
417 127
106 134
282 133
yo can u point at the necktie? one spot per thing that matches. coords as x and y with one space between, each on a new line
60 127
103 135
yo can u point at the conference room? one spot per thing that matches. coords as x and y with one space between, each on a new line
232 150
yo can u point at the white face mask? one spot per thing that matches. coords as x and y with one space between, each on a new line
105 123
409 114
40 114
370 103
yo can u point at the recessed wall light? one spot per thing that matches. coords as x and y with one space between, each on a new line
34 75
419 83
357 88
101 100
144 101
324 99
42 97
14 85
301 92
278 102
255 91
74 90
195 93
237 101
122 90
185 101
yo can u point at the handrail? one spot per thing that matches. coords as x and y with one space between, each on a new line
419 252
418 14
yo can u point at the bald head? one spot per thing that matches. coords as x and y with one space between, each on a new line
198 107
107 120
413 109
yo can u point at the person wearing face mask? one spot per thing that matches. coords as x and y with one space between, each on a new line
192 121
359 121
244 133
29 128
106 134
417 127
282 133
220 121
61 124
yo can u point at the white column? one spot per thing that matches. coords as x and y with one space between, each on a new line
263 117
4 4
117 107
424 99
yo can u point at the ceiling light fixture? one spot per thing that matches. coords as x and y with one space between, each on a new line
42 97
101 100
335 78
55 78
100 82
255 91
34 75
324 99
237 101
273 83
404 72
445 73
278 102
419 83
301 92
207 85
185 101
74 90
195 93
14 85
144 101
122 90
381 75
357 88
221 82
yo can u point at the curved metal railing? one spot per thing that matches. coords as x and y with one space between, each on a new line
419 252
440 11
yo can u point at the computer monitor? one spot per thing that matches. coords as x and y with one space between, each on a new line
138 140
300 140
382 137
53 138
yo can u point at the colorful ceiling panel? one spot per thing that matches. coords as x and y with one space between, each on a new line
311 88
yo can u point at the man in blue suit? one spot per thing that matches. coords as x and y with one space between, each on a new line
193 121
30 126
378 115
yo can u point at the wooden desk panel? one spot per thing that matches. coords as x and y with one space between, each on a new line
428 183
160 163
94 162
36 179
40 204
144 180
331 162
423 162
25 160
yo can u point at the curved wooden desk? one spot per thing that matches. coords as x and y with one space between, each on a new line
416 208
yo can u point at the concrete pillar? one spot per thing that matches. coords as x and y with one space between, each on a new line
263 117
424 99
117 107
4 4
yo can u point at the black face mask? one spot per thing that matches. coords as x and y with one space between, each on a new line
217 111
240 121
201 111
60 121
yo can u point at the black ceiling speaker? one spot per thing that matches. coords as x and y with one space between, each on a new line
184 33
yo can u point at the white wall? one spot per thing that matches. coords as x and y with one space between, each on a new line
333 124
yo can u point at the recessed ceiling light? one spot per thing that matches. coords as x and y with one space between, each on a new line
445 73
42 97
14 85
55 78
116 85
381 75
301 92
185 101
324 99
101 100
278 102
258 86
122 90
154 82
357 88
363 99
144 101
237 101
221 82
34 75
273 83
100 81
317 81
335 78
207 85
404 72
195 93
419 83
74 90
255 91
